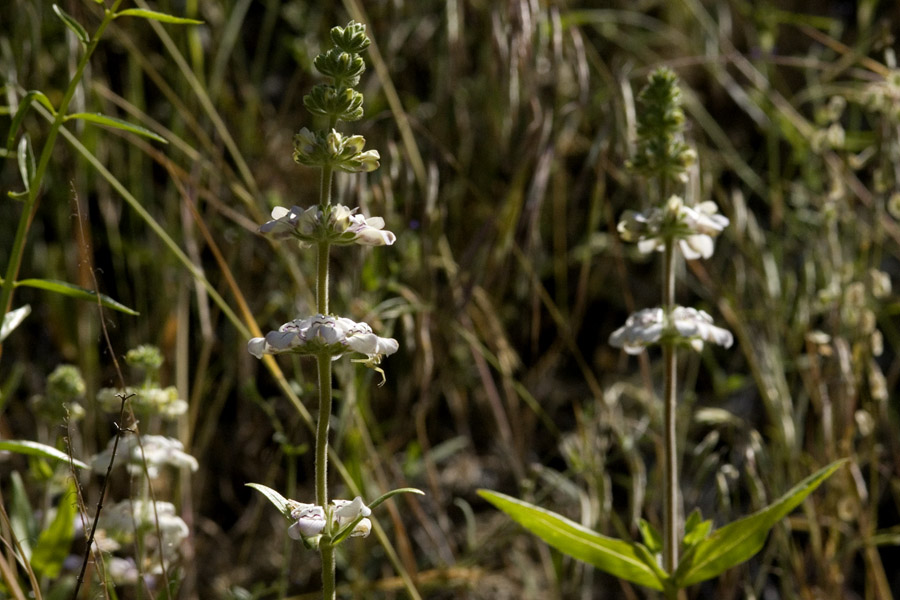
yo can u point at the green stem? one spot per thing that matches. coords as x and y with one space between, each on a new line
31 202
670 467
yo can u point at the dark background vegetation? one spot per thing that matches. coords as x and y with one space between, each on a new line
503 173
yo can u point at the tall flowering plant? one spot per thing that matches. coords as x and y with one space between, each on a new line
326 336
686 552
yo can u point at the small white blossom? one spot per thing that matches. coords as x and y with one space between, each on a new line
126 519
648 326
310 519
693 227
158 450
163 402
336 224
324 334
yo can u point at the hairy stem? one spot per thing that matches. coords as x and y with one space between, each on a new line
670 467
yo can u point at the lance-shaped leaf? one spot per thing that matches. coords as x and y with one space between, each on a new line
738 541
76 28
157 16
25 156
280 502
24 105
102 119
74 291
40 450
616 557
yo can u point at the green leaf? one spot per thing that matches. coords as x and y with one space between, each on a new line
74 291
651 536
35 449
695 529
617 557
54 542
280 502
13 319
73 25
157 16
738 541
23 110
393 493
25 155
102 119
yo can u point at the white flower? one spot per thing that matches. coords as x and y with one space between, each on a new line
336 224
323 334
693 227
124 520
157 451
310 519
647 327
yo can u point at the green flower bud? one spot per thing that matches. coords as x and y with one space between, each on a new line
352 38
339 103
146 357
343 67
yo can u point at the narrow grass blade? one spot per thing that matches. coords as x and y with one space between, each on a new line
157 16
738 541
76 28
616 557
393 493
74 291
41 450
115 123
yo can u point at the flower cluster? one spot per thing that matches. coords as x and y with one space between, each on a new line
649 326
158 401
154 450
123 521
334 149
310 520
335 224
693 227
323 334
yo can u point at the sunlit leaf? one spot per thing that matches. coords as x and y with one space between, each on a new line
738 541
157 16
25 156
280 502
102 119
35 449
651 536
13 319
76 28
617 557
74 291
54 542
24 105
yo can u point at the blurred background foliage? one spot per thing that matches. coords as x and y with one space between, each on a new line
504 128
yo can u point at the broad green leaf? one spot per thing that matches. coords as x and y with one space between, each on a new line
393 493
13 319
280 502
738 541
616 557
76 28
25 156
54 542
157 16
35 449
74 291
23 110
102 119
